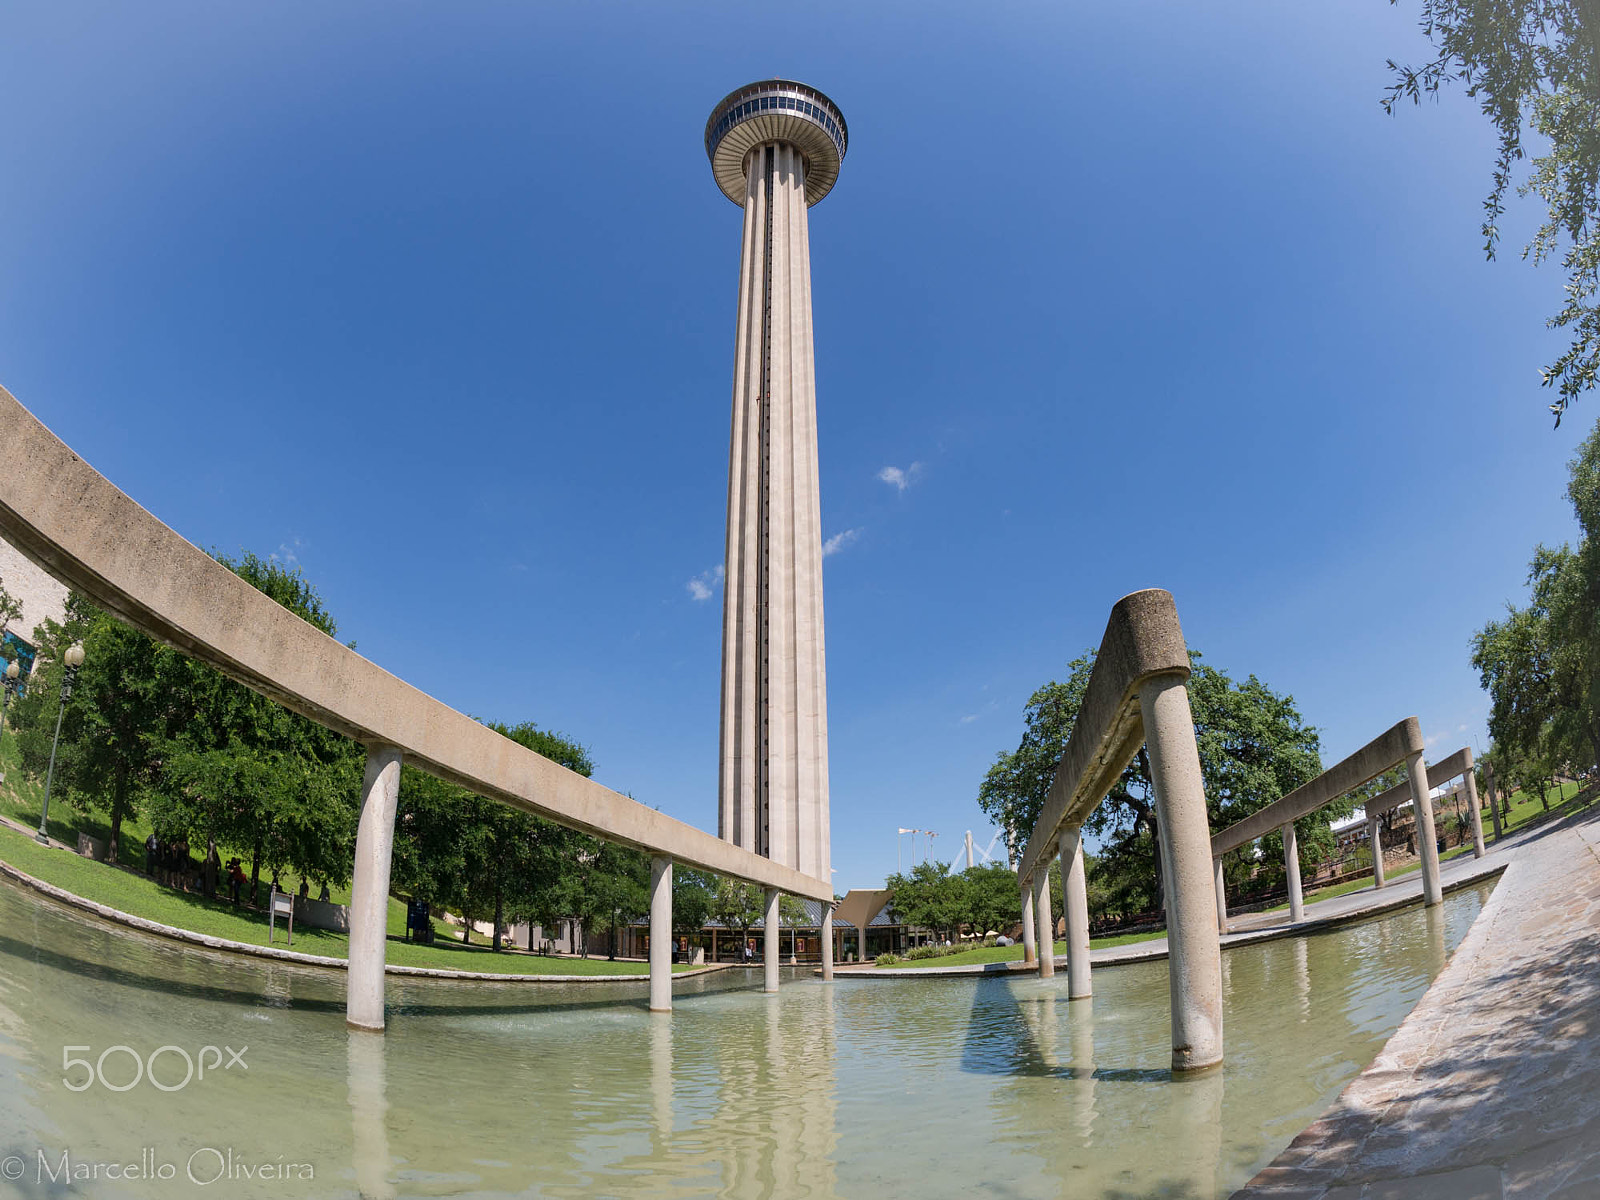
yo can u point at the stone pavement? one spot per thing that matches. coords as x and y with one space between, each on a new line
1490 1088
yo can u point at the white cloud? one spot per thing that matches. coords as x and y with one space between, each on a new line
286 552
900 478
703 585
839 541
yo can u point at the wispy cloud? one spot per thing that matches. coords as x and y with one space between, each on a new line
286 552
900 478
704 585
840 540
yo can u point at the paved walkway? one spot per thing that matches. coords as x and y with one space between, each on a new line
1490 1088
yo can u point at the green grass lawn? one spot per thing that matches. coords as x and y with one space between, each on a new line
993 954
143 897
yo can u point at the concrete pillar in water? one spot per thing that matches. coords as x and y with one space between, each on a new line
1472 807
1422 808
1194 964
769 943
660 933
1075 907
825 934
1291 868
1046 920
369 889
1028 954
1375 839
1222 896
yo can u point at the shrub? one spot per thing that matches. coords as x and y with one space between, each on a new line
933 951
887 960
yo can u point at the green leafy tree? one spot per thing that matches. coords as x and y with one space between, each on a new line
1533 66
1254 748
694 894
737 905
994 900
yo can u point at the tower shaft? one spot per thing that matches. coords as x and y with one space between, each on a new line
773 786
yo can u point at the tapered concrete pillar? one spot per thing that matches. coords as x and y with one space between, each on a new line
1029 953
369 889
1222 895
1194 964
1075 908
861 943
1472 808
1375 840
770 951
660 934
825 941
1494 804
1291 869
1427 843
1043 914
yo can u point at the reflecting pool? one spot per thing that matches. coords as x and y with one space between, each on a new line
865 1088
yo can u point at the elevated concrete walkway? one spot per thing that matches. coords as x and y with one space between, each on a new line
1490 1088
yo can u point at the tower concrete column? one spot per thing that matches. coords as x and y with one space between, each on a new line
1291 868
369 889
1471 785
660 933
1427 840
1194 962
770 944
1046 936
1075 908
1222 896
1375 840
825 941
1029 947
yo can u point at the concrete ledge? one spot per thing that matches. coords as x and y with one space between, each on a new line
144 925
1399 897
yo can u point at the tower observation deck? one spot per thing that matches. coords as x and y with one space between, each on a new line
775 149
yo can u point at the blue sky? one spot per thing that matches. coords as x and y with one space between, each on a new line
437 303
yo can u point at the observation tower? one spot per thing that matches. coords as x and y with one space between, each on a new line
775 149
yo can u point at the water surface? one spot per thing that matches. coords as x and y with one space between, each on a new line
866 1088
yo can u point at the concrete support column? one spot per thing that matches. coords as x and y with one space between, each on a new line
1291 868
1375 840
1046 936
1075 906
1477 817
1028 947
369 889
861 943
1194 964
1222 896
825 941
770 949
660 933
1427 843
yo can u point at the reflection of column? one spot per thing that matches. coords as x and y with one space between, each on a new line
1302 977
1375 837
1080 1086
1028 953
369 1105
1291 867
1194 958
1472 807
660 934
825 941
1436 950
1422 808
1075 908
1194 1152
661 1084
1043 911
369 899
1222 897
769 943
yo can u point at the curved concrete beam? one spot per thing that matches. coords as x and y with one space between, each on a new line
1143 641
1439 774
75 524
1394 745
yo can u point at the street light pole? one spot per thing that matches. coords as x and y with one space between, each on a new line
73 659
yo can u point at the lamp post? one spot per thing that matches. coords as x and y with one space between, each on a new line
73 659
12 671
